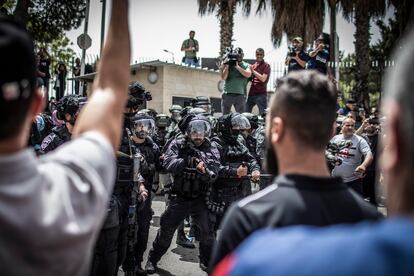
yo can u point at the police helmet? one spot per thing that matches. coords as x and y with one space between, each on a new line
162 120
143 125
203 102
197 111
239 122
67 105
198 129
253 119
175 108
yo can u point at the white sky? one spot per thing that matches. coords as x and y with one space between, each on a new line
163 24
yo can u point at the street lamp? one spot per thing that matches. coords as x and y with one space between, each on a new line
171 53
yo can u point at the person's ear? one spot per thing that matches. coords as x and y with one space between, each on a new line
277 130
38 103
68 117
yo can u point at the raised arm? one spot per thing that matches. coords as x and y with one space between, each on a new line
104 110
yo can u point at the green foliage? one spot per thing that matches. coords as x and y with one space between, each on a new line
47 19
380 54
8 5
60 51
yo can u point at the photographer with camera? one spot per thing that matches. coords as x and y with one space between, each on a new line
319 56
296 58
235 73
190 49
260 76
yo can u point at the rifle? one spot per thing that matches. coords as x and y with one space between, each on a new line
200 158
130 262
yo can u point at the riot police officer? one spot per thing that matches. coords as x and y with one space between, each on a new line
233 182
249 135
178 132
176 111
143 128
128 191
193 161
67 110
204 102
41 127
162 121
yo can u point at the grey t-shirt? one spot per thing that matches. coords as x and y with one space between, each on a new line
52 208
351 157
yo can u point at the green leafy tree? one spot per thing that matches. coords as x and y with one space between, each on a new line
224 11
303 18
47 19
361 12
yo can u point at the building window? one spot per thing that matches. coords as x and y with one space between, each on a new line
183 101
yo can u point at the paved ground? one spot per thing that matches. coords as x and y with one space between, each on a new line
178 260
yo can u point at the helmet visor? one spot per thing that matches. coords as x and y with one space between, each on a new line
144 127
198 129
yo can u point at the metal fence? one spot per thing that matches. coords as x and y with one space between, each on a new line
279 69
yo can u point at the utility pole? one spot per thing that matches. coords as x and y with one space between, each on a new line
85 31
103 23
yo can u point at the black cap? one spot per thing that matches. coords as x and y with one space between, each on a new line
18 66
350 101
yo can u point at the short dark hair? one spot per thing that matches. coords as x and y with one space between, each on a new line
260 50
306 101
18 80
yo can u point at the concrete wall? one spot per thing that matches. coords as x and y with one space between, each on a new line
178 81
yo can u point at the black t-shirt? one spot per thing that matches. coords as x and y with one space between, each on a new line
291 200
294 65
44 67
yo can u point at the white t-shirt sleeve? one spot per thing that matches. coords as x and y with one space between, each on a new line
78 179
364 146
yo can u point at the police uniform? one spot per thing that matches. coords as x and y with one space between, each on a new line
229 187
149 165
187 195
112 244
41 128
59 136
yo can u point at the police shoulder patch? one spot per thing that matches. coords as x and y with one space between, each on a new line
46 142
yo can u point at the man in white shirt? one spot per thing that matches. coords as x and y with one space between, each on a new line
52 208
351 169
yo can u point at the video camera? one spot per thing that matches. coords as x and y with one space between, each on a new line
137 95
292 51
231 56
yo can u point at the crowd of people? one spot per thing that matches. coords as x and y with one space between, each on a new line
86 197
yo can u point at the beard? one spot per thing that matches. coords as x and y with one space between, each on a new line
142 134
197 142
271 164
